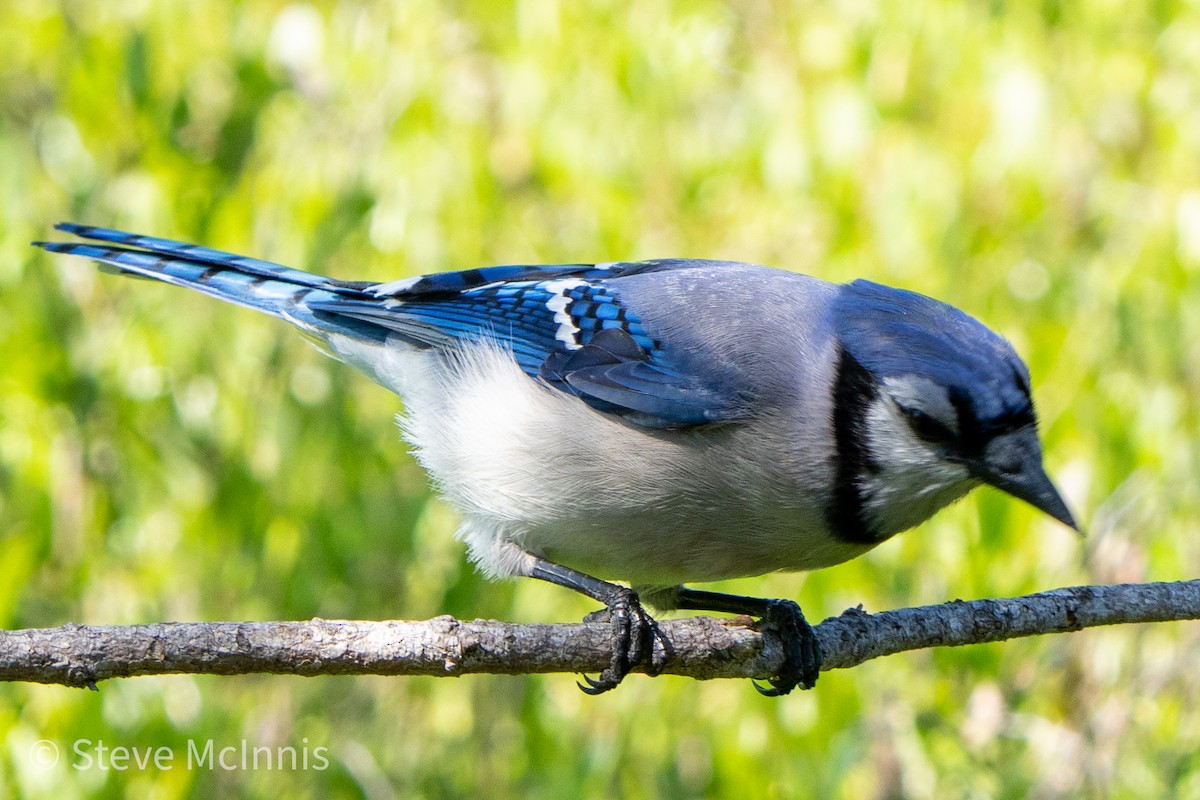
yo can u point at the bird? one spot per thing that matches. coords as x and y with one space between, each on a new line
623 429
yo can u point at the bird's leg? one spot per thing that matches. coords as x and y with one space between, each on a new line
635 633
802 652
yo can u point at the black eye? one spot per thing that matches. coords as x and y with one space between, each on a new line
926 426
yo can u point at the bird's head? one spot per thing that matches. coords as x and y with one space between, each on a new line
935 403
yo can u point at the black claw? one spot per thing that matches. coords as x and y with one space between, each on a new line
802 651
594 687
635 636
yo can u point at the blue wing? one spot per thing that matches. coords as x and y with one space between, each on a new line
565 324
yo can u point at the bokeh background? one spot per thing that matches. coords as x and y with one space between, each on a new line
166 457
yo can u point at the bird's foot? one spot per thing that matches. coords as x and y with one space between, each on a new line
801 650
636 638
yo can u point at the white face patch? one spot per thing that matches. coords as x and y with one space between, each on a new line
912 481
922 394
568 331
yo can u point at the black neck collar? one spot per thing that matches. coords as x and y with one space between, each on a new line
854 391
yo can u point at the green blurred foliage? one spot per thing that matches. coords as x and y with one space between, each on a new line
165 457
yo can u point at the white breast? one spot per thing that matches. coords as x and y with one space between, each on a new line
533 469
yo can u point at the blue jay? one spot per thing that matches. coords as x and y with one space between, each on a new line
660 422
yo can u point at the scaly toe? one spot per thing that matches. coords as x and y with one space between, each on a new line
634 636
802 651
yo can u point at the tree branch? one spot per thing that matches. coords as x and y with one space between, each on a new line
702 647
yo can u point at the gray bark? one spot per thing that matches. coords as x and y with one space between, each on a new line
702 647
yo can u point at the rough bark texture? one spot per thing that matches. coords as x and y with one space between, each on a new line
702 647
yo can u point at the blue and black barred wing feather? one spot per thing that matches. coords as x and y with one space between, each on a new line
564 324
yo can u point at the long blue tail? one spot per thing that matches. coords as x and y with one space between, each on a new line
262 285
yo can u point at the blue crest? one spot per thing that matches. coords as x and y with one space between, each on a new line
893 332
